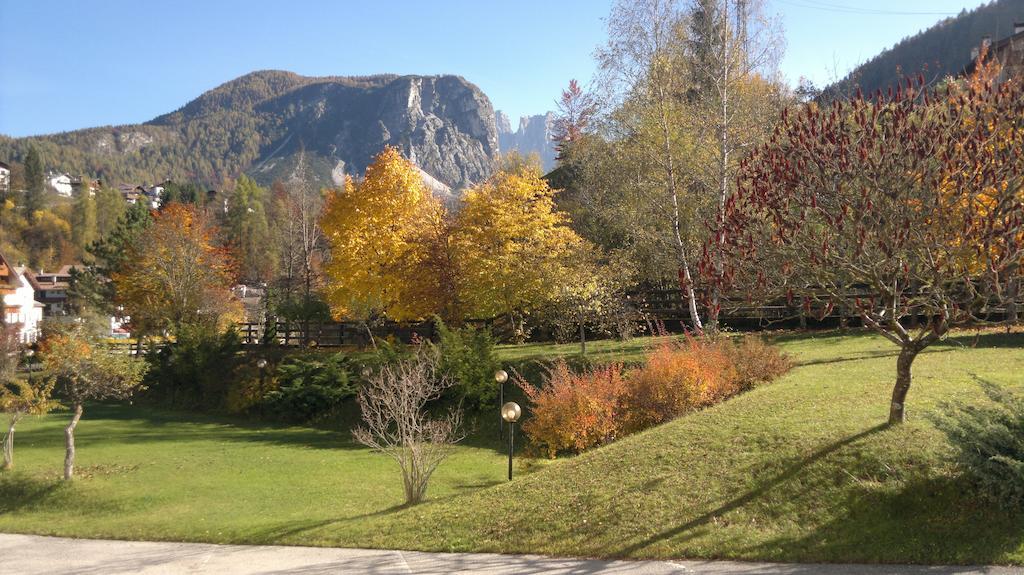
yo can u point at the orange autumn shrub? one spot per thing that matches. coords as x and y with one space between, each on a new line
572 412
677 377
756 362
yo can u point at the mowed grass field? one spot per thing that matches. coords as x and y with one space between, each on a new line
802 469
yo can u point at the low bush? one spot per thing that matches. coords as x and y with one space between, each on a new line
677 377
574 411
309 388
989 440
467 357
196 370
756 362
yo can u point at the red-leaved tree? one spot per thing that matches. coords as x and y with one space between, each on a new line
906 207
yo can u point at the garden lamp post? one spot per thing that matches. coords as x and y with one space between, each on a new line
261 364
510 412
501 376
29 353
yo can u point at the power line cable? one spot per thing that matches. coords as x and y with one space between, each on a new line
845 9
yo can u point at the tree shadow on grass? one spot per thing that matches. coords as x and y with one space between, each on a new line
691 528
19 492
23 492
988 339
160 426
858 356
930 520
283 532
292 532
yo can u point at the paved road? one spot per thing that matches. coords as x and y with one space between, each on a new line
31 555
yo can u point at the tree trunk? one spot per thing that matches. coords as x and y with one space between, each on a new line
583 339
369 332
9 443
685 279
691 298
897 409
1013 292
69 443
724 149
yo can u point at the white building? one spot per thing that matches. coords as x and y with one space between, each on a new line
62 184
5 178
20 307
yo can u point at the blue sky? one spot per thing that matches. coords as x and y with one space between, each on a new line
75 64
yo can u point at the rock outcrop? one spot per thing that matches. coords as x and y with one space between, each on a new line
533 136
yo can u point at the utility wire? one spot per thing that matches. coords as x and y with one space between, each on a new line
844 9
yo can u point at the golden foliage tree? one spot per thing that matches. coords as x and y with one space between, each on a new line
512 244
396 249
175 275
381 231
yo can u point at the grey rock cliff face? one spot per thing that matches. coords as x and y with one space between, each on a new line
442 123
533 136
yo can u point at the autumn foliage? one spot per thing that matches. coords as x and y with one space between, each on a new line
379 231
177 275
398 250
906 207
575 411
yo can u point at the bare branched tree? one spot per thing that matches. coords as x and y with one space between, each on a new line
393 402
733 101
639 77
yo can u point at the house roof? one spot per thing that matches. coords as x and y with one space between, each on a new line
48 280
5 165
9 280
994 48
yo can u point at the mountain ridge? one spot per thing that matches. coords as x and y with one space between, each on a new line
261 122
941 50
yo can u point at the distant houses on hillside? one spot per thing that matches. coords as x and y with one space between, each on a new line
152 195
5 178
21 310
30 296
1009 52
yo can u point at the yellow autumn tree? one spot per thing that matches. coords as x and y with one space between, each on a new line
175 275
382 233
512 245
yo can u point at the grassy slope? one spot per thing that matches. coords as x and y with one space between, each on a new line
799 470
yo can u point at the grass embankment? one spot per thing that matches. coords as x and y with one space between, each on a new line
799 470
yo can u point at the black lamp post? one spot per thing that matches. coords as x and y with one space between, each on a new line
501 376
510 412
261 364
29 354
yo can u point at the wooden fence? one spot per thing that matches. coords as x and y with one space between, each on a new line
330 334
673 305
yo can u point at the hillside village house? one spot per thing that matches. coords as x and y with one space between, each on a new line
61 183
20 307
51 290
152 195
1009 52
5 178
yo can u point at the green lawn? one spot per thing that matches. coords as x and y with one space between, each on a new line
799 470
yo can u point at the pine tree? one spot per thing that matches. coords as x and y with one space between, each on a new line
706 38
91 287
248 233
34 186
